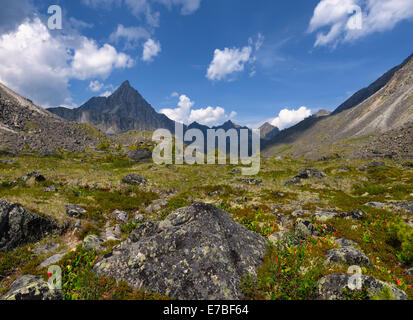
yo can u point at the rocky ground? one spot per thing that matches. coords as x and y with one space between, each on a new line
121 229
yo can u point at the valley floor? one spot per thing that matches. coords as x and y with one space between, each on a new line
264 204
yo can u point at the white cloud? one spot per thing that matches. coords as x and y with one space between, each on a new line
207 116
174 94
91 61
106 94
132 35
287 118
228 61
180 114
210 116
232 60
151 49
96 85
337 15
39 65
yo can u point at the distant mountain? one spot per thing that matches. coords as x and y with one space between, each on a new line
268 131
27 127
123 111
385 105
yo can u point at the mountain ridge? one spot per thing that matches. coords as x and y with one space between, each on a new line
389 107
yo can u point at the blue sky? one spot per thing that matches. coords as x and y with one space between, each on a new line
205 60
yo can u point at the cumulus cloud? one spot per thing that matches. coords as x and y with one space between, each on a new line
96 85
106 94
207 116
151 49
232 60
339 18
287 118
228 61
40 66
180 114
131 35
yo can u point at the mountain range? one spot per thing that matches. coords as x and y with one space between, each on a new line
377 119
122 111
385 105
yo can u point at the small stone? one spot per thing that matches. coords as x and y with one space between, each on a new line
375 204
304 228
324 216
120 216
51 189
75 211
138 218
51 260
134 179
92 242
355 214
298 213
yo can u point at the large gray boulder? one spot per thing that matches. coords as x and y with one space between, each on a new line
30 287
19 226
198 253
333 287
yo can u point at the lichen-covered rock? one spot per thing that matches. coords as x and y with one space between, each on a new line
334 286
348 255
198 252
408 205
19 226
134 179
92 242
75 211
324 216
36 175
304 228
30 287
306 174
310 173
346 242
354 214
120 216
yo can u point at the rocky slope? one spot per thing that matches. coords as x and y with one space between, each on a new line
27 127
268 131
395 143
124 110
385 105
